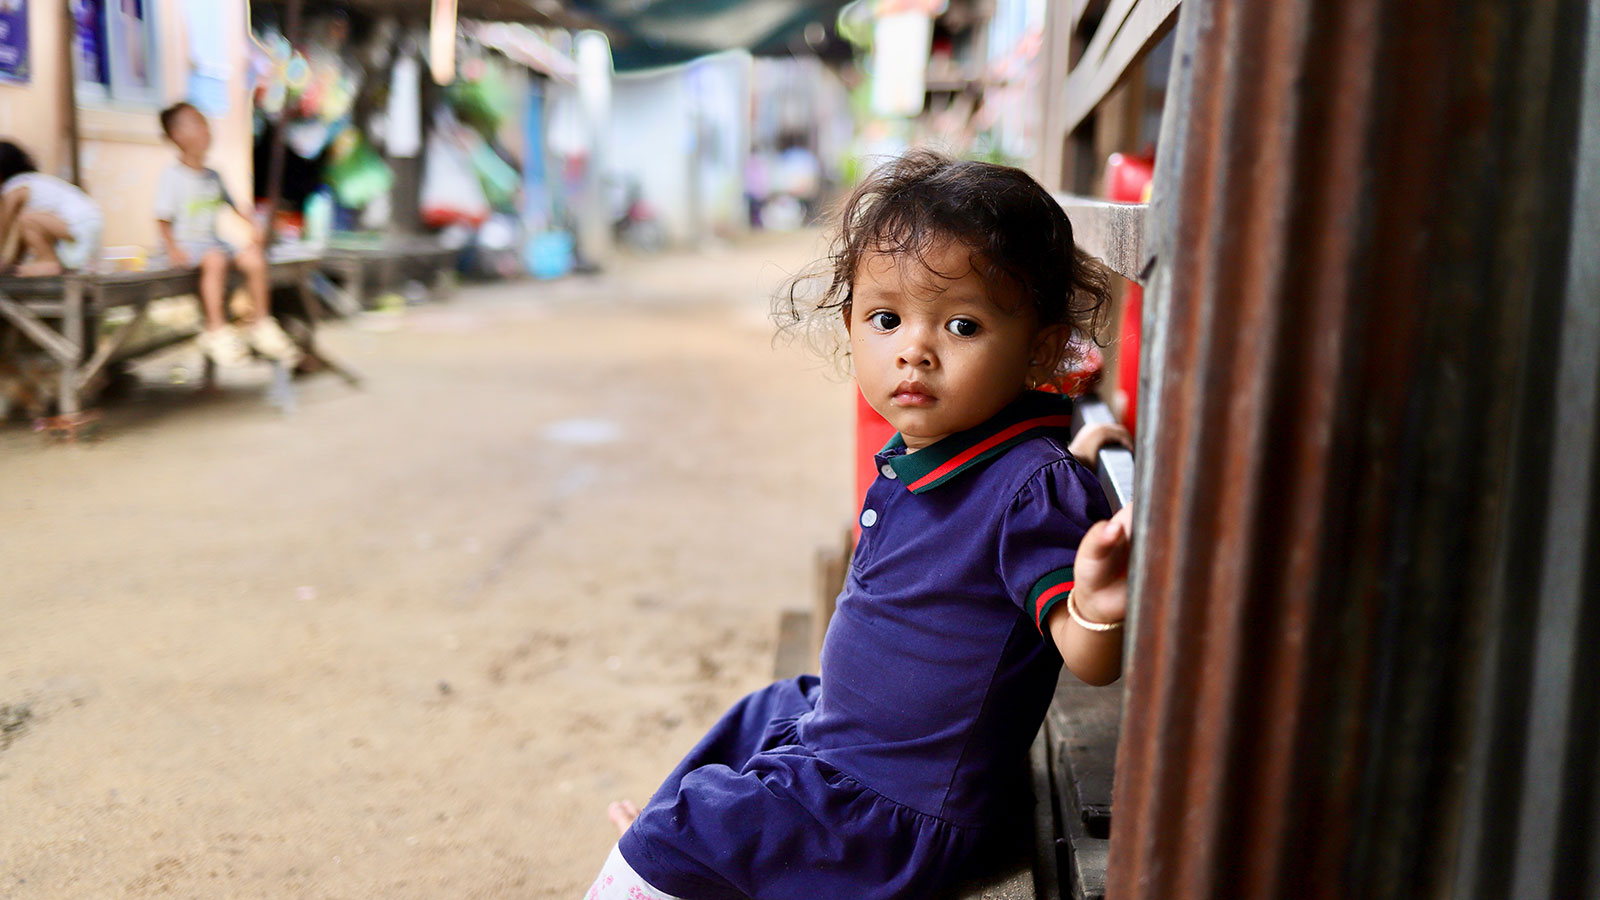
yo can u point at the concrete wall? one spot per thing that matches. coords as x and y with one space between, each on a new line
650 143
122 151
654 117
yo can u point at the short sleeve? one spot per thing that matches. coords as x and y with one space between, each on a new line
166 196
1039 535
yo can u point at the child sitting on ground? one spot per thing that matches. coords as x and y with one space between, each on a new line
47 225
983 563
188 197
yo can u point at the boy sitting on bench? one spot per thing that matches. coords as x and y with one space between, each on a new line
188 198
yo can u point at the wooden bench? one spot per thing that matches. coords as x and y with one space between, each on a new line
356 263
61 315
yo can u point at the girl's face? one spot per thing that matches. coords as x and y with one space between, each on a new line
936 349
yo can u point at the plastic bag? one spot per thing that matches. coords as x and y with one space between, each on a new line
358 175
451 192
500 181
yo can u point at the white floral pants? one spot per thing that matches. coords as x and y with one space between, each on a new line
618 881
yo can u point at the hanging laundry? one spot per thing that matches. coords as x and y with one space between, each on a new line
209 25
405 109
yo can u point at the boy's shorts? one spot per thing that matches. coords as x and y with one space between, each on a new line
196 250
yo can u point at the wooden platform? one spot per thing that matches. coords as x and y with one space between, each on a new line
61 315
381 263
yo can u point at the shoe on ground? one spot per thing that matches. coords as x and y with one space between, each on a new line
224 346
271 341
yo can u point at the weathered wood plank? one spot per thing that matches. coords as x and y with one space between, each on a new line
1106 61
1110 26
108 349
1083 725
41 334
794 645
1113 232
1115 465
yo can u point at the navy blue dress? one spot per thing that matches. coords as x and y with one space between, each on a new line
884 777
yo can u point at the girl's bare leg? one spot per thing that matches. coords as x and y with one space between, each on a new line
40 231
11 207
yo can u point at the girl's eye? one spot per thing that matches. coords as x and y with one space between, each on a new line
883 321
962 327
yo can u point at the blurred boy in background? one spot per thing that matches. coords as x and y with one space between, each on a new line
188 198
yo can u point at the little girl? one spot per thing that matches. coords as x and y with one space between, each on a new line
47 225
982 565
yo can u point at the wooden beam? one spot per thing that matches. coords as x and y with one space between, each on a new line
108 349
1075 10
1113 232
1058 24
43 335
1129 30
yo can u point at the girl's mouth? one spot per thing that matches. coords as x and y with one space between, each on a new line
910 394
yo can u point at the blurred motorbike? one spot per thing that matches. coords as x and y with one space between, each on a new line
634 223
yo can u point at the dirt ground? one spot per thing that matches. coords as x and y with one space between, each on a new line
408 642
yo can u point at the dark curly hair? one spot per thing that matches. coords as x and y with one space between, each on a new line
1017 233
14 161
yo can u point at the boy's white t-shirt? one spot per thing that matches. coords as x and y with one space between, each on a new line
190 199
66 202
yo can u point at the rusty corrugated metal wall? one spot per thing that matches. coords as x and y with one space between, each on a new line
1368 570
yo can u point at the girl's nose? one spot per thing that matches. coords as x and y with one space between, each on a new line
917 351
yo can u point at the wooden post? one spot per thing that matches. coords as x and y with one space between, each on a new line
442 41
1366 570
1048 167
275 158
72 330
69 91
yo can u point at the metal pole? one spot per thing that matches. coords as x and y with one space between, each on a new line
1368 556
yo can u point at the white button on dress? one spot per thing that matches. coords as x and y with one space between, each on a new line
888 472
869 518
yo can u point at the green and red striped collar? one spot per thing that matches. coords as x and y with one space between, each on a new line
1029 414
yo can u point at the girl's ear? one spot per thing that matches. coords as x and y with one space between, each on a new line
1048 350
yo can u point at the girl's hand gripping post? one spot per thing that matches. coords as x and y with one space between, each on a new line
1087 628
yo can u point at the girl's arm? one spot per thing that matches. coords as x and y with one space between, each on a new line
1101 596
1091 439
